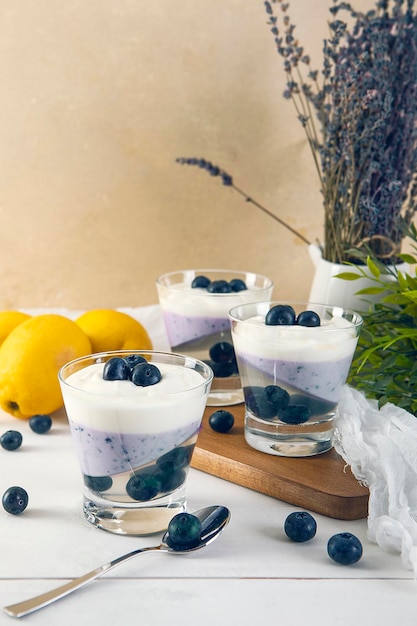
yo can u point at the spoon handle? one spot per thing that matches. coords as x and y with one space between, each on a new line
33 604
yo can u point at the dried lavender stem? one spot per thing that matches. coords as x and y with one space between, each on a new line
275 217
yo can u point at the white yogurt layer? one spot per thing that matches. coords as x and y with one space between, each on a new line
334 339
177 400
183 299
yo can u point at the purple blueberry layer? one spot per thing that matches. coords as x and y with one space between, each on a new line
184 328
320 379
102 453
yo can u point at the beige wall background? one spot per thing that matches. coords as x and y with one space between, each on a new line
98 99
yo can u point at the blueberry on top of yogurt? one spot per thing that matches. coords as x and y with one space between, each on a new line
237 284
201 282
308 318
116 369
280 315
284 315
134 368
145 374
219 286
134 359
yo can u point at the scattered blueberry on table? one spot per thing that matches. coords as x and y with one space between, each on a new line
344 548
221 421
300 526
11 440
40 424
15 500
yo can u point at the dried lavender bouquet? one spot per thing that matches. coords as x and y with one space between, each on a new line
360 118
360 121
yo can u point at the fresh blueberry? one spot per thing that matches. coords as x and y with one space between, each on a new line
171 480
98 483
175 459
295 414
184 531
280 315
316 406
11 440
145 374
219 286
40 424
221 421
237 284
15 500
222 370
200 281
134 359
278 396
116 368
300 526
308 318
344 548
143 486
259 403
222 352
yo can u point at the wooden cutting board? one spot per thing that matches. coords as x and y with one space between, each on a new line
322 483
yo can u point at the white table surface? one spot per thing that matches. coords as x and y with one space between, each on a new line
251 574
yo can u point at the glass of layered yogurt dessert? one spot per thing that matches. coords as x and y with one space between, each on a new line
195 306
134 419
293 361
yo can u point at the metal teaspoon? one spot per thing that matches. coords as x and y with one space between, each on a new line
213 520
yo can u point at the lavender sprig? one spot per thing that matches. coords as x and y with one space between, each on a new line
227 180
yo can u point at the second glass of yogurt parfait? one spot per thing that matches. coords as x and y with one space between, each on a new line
134 419
195 305
294 360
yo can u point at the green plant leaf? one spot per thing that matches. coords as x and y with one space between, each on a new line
407 258
373 267
371 291
348 276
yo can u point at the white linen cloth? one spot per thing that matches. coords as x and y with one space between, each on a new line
380 445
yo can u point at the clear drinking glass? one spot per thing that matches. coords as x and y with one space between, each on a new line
292 375
134 443
197 322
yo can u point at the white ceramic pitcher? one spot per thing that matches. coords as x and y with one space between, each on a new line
327 289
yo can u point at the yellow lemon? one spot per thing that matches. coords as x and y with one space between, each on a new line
108 329
30 358
9 320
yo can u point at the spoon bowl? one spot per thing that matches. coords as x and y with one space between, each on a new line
213 520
